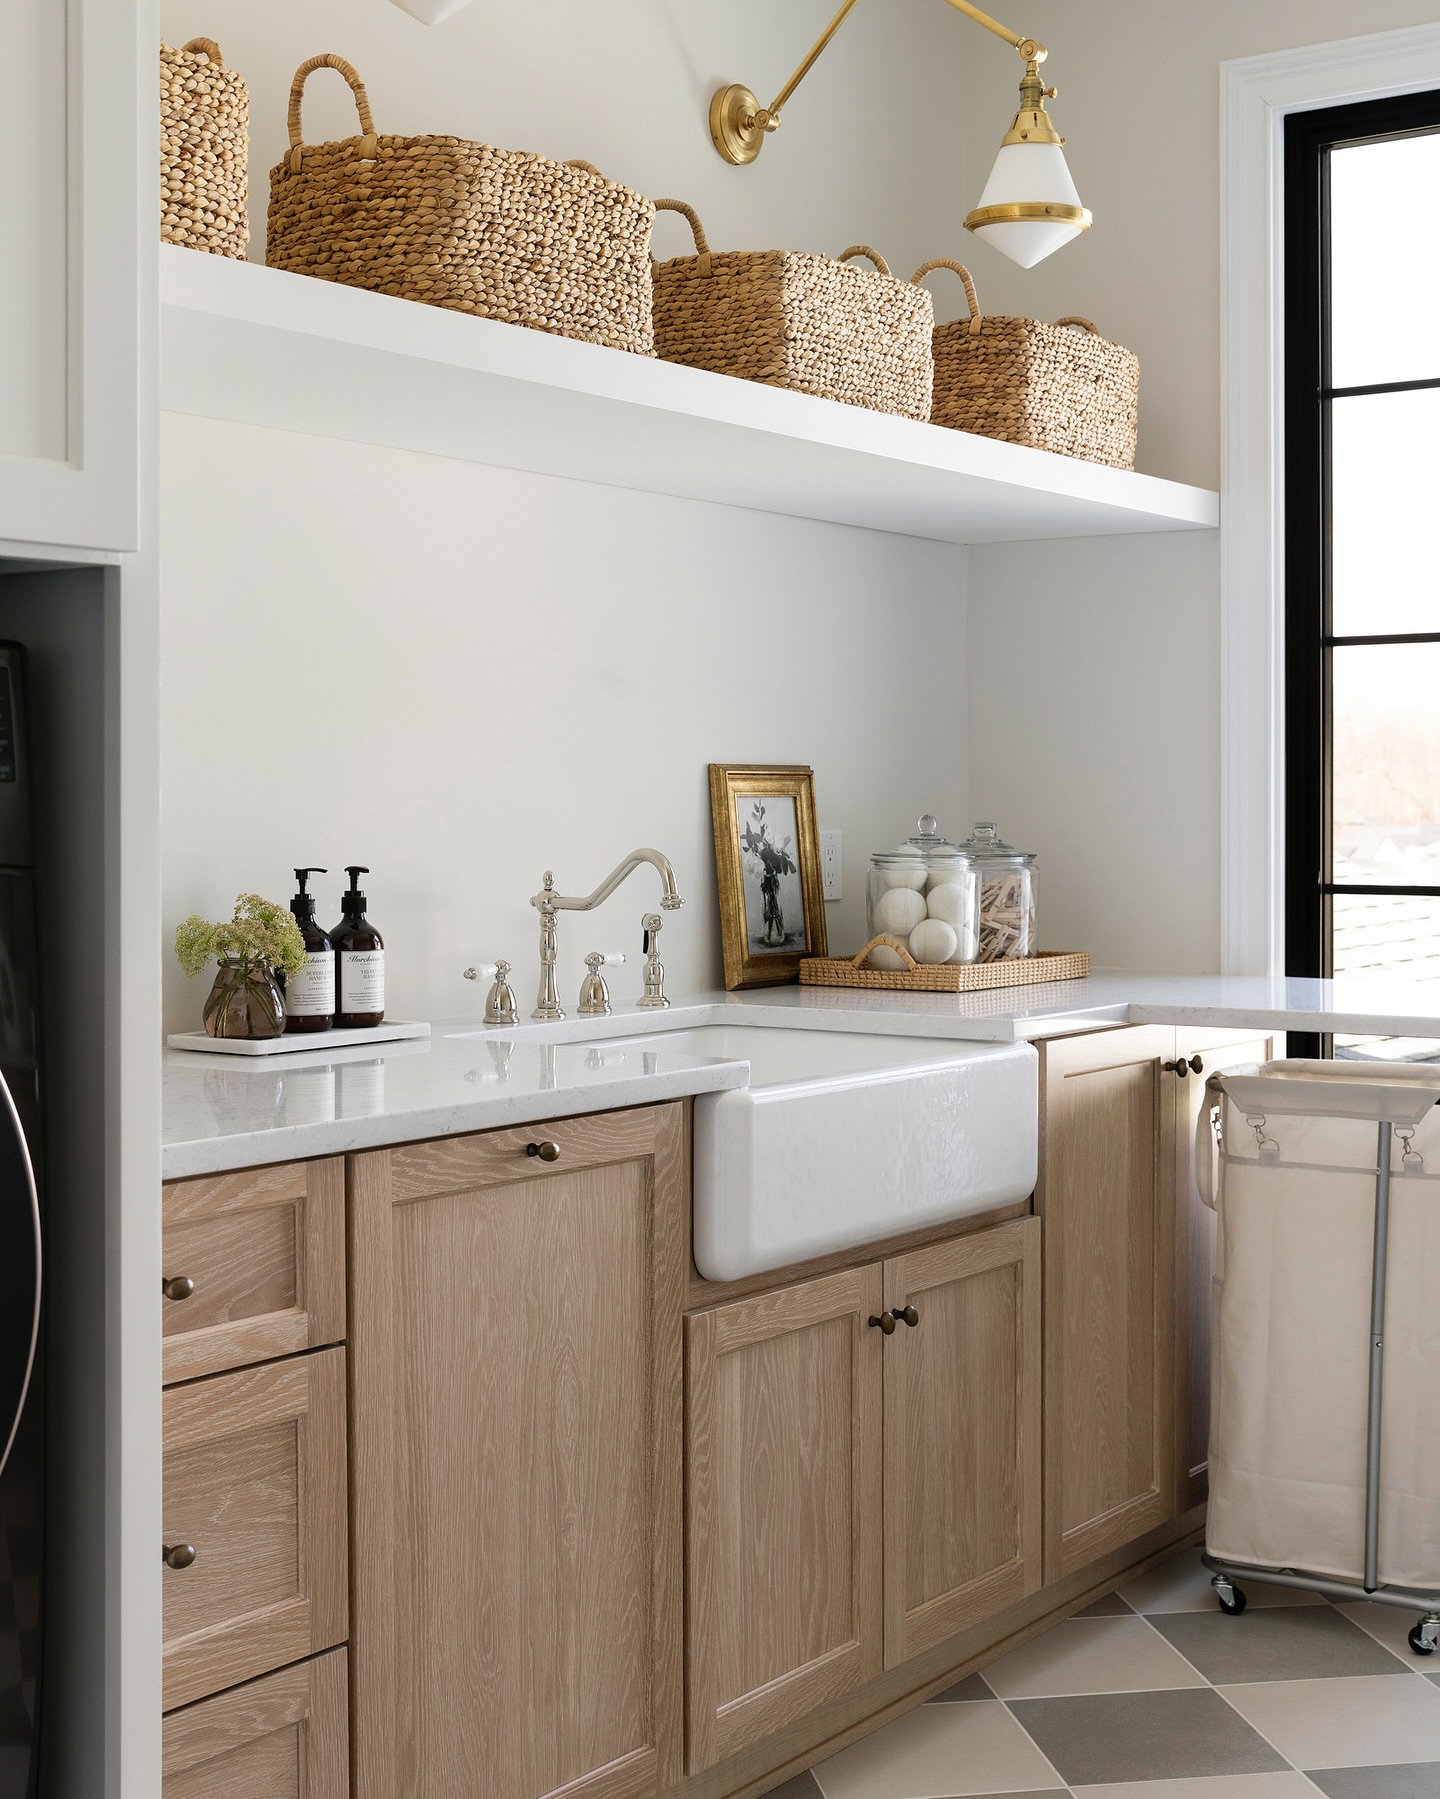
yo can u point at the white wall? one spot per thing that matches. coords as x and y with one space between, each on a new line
464 676
1139 103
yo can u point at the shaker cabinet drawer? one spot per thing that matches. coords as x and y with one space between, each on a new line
285 1736
254 1522
254 1266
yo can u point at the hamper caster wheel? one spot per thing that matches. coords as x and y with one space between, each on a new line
1232 1600
1425 1636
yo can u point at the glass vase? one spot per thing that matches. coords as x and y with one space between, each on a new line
244 1002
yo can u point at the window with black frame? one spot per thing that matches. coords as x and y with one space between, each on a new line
1362 551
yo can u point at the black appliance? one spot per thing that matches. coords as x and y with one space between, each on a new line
22 1361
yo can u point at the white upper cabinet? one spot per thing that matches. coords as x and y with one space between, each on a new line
78 206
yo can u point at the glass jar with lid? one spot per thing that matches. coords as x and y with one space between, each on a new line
1007 895
926 893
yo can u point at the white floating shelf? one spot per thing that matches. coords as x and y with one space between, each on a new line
262 347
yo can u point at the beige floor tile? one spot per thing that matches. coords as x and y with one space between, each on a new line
941 1752
1390 1626
1092 1655
1360 1722
1216 1786
1183 1585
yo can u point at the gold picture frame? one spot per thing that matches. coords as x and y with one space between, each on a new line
767 866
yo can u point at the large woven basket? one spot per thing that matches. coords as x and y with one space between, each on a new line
796 320
945 977
204 150
502 234
1058 387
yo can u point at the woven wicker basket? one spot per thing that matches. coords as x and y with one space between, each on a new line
499 233
1058 387
204 147
947 977
795 320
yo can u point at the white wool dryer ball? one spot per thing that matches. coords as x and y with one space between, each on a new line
899 911
882 956
933 941
901 875
948 902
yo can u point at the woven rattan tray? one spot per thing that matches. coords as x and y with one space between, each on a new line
949 977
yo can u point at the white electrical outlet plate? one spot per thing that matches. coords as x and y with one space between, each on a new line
832 857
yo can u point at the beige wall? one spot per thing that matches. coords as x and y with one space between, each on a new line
1142 621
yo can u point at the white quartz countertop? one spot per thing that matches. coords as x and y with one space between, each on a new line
222 1113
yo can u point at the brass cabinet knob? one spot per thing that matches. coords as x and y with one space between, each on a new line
1196 1065
547 1151
886 1322
181 1287
1180 1066
905 1315
179 1555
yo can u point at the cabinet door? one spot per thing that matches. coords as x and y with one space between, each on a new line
1106 1198
255 1486
254 1266
516 1420
962 1435
285 1736
80 226
1217 1052
784 1535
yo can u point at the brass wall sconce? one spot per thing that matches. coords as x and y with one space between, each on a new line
1029 207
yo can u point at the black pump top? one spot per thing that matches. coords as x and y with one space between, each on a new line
352 903
303 904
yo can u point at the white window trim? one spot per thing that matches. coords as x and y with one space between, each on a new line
1256 96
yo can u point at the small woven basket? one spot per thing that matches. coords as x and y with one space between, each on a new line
1058 387
947 977
791 319
204 150
502 234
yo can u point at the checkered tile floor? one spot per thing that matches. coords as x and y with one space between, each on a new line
1154 1693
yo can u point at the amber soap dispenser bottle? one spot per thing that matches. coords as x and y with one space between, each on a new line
359 960
310 995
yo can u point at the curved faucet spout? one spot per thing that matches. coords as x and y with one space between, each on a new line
670 898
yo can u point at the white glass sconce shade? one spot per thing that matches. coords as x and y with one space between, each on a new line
430 12
1028 179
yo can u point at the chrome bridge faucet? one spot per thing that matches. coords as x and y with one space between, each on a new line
548 902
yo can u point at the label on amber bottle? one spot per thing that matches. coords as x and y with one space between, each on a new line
362 980
311 993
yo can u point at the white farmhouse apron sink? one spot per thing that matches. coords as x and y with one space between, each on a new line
844 1139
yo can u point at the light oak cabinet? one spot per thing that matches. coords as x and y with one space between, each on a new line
962 1435
285 1736
254 1522
1106 1199
516 1426
857 1494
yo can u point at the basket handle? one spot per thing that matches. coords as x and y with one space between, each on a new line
1077 320
209 47
579 162
865 250
362 106
977 318
688 212
890 943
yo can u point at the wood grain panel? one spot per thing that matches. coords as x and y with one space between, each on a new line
255 1481
962 1436
285 1736
1219 1051
266 1251
516 1413
1107 1198
784 1537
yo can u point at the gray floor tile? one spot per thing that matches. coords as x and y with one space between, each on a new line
1435 1677
1144 1736
1275 1643
969 1689
1111 1606
799 1786
1416 1780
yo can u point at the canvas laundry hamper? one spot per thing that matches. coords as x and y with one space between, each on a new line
1291 1353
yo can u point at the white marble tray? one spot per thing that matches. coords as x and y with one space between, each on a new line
391 1031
